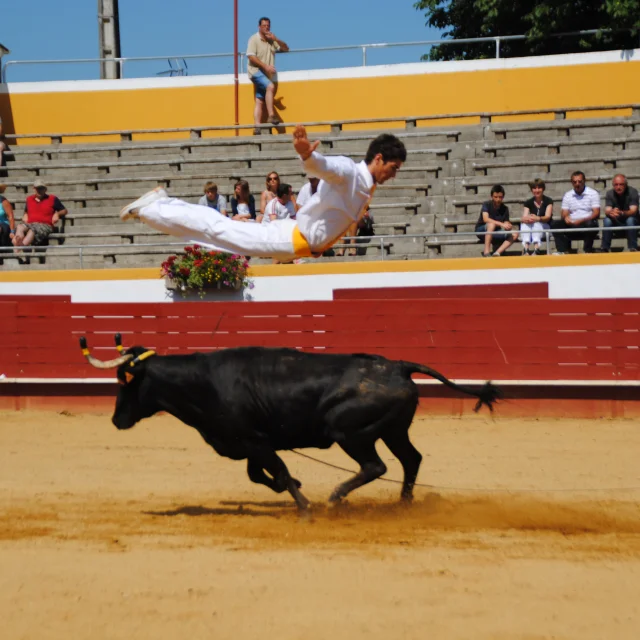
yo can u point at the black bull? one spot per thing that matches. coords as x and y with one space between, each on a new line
250 402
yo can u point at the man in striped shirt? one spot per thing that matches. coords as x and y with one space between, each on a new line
580 210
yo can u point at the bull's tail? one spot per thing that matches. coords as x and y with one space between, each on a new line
487 394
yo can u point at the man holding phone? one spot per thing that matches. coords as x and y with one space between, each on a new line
261 53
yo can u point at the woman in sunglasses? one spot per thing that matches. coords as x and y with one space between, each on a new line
272 184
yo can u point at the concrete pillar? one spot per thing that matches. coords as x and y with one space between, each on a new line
109 38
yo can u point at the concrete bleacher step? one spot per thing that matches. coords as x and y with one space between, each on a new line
437 190
590 163
596 128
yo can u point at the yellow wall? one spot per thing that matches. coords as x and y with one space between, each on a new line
330 99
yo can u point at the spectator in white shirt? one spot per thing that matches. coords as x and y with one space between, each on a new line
213 199
308 189
280 207
580 210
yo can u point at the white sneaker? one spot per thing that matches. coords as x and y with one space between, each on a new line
130 212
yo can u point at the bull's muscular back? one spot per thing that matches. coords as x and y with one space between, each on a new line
286 398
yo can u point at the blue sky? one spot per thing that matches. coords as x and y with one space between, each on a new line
49 30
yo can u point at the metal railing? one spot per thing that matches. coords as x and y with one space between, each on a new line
364 48
79 250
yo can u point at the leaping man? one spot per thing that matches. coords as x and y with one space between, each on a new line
344 192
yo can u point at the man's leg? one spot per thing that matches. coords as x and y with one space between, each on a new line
607 234
205 226
491 226
589 235
510 238
268 98
258 111
563 243
632 234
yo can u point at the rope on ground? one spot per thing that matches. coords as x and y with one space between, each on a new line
472 489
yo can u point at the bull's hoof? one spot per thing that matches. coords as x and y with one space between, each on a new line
305 515
335 505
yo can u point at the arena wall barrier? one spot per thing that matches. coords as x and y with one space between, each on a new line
420 89
555 357
522 290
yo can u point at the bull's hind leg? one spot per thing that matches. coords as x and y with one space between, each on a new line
409 457
371 468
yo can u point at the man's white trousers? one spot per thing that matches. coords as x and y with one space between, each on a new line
205 226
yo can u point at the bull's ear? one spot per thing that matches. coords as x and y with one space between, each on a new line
128 376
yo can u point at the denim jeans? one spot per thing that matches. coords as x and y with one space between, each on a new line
632 234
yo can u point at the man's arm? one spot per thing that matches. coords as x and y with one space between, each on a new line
283 47
252 56
267 69
595 206
59 208
222 205
333 170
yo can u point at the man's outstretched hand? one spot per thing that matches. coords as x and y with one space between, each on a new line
302 144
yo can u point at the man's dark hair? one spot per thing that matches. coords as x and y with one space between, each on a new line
283 190
389 146
497 188
578 173
264 18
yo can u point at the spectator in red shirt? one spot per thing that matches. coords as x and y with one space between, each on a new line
42 211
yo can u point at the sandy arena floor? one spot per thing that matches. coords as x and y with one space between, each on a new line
149 534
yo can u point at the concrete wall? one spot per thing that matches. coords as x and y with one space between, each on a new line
575 276
359 92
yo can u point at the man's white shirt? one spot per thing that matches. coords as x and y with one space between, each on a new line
581 206
304 194
281 211
344 189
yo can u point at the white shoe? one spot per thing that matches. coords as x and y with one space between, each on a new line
130 212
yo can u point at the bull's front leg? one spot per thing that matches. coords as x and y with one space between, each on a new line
257 475
269 461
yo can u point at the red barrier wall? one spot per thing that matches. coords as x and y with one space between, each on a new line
524 290
505 339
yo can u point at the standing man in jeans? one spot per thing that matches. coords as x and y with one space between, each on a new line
261 53
580 210
621 211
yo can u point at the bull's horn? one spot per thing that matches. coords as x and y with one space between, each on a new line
100 364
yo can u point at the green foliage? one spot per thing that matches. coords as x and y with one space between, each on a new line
537 20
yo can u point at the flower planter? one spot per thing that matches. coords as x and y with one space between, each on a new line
184 275
211 293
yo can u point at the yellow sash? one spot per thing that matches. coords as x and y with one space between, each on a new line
301 246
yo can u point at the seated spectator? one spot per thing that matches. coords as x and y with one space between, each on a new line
308 189
3 148
580 210
213 199
621 209
272 182
494 214
535 218
280 207
7 222
243 204
42 211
